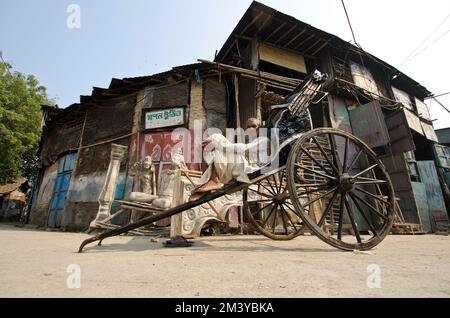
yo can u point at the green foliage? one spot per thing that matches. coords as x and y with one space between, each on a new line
21 98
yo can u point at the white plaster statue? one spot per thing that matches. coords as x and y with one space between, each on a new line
178 159
145 178
145 181
167 181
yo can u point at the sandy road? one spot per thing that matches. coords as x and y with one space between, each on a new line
35 263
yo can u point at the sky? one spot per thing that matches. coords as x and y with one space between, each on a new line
117 39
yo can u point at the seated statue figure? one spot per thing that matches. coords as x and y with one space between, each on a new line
168 179
228 161
145 182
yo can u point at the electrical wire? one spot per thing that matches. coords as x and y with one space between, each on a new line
361 51
349 23
355 93
442 105
427 47
424 41
440 95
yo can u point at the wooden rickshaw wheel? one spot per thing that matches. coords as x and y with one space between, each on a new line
340 189
268 207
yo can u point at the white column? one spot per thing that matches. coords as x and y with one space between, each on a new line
176 221
109 187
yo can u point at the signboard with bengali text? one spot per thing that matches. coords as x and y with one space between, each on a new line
164 118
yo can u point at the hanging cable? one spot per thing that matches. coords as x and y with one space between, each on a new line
427 47
361 51
349 23
440 95
442 105
423 42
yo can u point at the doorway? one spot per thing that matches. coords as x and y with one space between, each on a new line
65 167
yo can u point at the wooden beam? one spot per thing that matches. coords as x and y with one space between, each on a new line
275 31
252 22
237 47
242 37
242 34
263 25
313 45
288 88
285 34
257 74
294 38
321 47
228 51
301 43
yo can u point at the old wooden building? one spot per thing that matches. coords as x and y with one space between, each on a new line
13 197
265 57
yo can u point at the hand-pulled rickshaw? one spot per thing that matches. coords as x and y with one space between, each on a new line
327 181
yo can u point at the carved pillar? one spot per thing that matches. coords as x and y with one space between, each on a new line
109 187
176 221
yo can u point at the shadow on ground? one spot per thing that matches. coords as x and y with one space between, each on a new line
253 245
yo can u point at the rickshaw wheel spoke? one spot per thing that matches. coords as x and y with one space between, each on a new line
352 208
267 208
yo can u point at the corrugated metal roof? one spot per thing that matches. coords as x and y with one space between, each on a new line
121 87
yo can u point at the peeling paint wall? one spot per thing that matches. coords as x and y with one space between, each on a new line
339 115
87 187
215 103
79 216
196 109
40 210
82 201
434 196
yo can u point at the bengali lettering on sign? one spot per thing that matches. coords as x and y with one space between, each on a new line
164 118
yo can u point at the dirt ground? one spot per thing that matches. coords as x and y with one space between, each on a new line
45 264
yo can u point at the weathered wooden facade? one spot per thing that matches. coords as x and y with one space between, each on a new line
264 58
76 143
